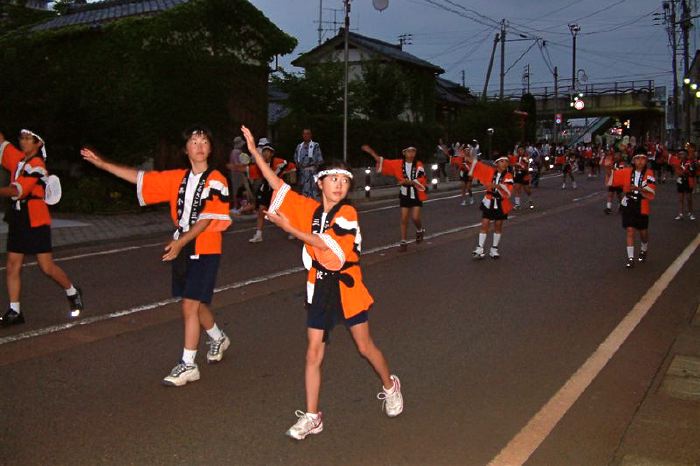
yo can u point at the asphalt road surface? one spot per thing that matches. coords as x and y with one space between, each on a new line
480 346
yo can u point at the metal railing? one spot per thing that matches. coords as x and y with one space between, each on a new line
605 88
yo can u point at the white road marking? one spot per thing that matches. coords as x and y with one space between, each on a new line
232 286
588 196
524 444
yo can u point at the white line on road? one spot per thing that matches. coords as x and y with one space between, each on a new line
524 444
588 196
232 286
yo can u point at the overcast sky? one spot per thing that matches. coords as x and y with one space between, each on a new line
618 38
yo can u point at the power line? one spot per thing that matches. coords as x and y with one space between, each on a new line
521 56
599 11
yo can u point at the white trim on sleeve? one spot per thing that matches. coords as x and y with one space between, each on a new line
20 191
139 188
2 149
209 216
333 246
279 198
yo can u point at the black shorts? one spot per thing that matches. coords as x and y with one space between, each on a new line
633 218
195 278
492 214
22 238
521 178
406 201
684 187
613 189
464 177
317 320
263 196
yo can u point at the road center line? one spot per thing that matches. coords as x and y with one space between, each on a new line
524 444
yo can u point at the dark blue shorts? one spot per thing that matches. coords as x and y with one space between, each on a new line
195 278
318 321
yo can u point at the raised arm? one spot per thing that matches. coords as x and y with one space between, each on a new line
372 152
273 180
126 173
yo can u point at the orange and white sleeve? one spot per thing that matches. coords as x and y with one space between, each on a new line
10 156
153 187
32 172
340 238
216 203
297 208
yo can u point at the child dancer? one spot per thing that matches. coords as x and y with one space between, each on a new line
639 187
335 291
29 222
686 171
199 207
410 174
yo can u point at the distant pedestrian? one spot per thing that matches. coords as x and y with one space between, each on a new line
307 158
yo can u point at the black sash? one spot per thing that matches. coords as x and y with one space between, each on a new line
326 299
197 200
634 197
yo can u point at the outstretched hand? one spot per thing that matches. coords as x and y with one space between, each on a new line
92 157
172 250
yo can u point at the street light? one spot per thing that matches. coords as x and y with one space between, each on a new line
686 81
490 132
574 29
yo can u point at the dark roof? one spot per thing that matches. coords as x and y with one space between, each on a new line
110 10
376 46
451 92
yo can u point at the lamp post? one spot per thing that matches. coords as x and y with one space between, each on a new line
379 5
574 29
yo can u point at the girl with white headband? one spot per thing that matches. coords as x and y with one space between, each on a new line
413 182
29 222
335 289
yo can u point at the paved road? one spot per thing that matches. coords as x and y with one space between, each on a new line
480 346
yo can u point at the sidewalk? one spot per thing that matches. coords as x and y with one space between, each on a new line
80 229
665 431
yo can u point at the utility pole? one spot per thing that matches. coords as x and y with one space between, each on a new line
488 71
674 47
464 79
685 27
556 103
574 29
320 21
346 33
503 55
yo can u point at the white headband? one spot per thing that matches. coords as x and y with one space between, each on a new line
501 158
332 171
43 144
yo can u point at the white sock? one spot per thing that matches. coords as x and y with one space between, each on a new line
215 333
482 239
258 232
313 416
496 239
608 205
15 307
630 252
517 200
188 356
644 247
389 391
71 291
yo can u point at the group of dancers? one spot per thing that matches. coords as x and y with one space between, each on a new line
328 227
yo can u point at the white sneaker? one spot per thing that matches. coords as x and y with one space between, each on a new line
691 216
306 425
471 201
464 202
181 374
257 238
392 402
563 186
493 253
678 217
478 253
217 348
